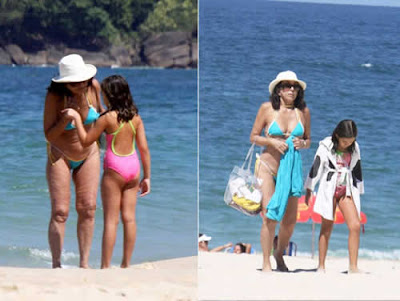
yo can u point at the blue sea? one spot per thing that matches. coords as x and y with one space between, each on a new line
166 218
349 57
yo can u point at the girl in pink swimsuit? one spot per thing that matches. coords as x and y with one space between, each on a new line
121 178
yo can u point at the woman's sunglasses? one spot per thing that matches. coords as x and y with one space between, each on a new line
287 86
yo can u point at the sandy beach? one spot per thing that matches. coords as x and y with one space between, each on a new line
174 279
224 276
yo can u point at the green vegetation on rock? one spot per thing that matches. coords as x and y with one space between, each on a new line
91 24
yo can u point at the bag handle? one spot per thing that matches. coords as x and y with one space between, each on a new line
249 157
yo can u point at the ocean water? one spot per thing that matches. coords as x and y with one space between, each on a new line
166 219
349 57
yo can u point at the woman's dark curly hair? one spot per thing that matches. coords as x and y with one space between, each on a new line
117 91
242 247
61 88
345 129
276 100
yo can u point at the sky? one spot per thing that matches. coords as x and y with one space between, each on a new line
395 3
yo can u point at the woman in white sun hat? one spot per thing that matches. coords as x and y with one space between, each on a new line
285 120
74 87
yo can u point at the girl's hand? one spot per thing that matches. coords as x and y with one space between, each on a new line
279 145
298 143
307 197
70 114
144 186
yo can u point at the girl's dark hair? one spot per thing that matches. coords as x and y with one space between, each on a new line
117 91
276 100
242 247
61 88
345 129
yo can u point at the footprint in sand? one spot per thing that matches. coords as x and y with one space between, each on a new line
9 287
147 266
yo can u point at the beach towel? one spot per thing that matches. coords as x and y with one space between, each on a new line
289 182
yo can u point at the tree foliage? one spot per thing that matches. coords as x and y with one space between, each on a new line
89 24
172 15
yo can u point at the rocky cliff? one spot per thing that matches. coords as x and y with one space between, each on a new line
166 50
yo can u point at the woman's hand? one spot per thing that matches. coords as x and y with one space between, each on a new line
279 145
144 186
299 143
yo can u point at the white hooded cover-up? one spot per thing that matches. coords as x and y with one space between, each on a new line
325 170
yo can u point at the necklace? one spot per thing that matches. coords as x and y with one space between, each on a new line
289 106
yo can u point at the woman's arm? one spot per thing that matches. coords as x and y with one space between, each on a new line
248 248
307 128
52 125
141 142
304 142
97 89
259 125
220 248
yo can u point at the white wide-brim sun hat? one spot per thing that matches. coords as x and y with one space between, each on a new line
204 238
72 69
287 76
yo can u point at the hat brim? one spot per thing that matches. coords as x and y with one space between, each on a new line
273 84
89 72
204 238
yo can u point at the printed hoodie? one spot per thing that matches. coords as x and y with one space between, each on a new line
325 170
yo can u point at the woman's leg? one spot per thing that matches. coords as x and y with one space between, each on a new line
267 232
86 179
324 235
129 197
350 215
285 232
111 195
58 179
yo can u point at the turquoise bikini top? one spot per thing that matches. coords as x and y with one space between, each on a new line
275 130
91 117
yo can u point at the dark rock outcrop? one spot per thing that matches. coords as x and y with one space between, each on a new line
5 58
166 50
170 49
17 55
38 58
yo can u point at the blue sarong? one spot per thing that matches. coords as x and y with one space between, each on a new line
289 182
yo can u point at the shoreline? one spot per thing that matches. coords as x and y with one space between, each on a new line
225 276
105 67
172 279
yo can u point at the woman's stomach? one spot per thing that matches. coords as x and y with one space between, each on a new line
69 145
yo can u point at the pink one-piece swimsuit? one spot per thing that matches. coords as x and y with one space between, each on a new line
128 166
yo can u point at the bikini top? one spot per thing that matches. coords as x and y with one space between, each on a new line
91 117
275 130
115 135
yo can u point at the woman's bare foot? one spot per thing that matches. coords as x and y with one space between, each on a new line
280 263
355 271
266 266
320 270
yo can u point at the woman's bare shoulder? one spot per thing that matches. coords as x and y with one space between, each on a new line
96 84
53 99
306 111
266 107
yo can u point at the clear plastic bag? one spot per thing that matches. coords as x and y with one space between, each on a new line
243 191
